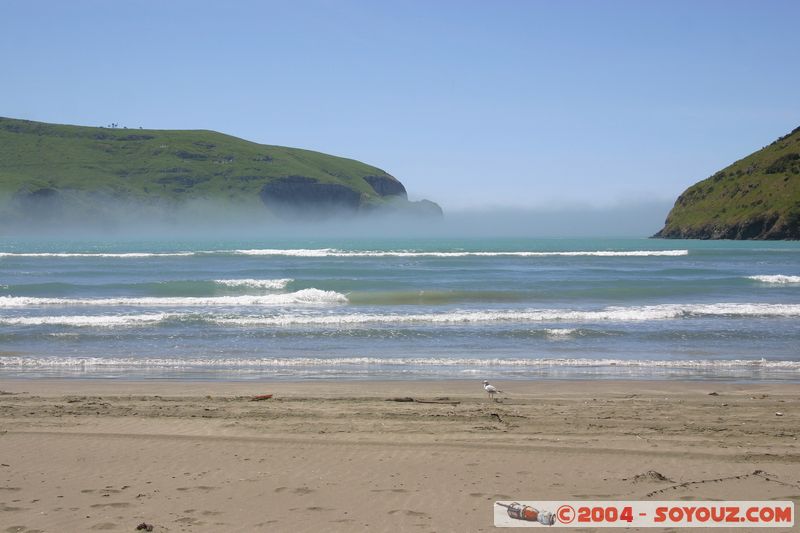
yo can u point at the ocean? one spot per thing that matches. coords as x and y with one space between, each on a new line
289 309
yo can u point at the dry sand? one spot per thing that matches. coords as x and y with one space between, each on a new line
106 456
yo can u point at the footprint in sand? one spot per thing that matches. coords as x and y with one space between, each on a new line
190 520
409 512
7 508
204 488
114 505
105 526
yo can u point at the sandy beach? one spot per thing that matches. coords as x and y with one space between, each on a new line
325 456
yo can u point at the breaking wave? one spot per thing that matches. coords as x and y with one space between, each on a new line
98 321
304 296
273 284
314 296
90 255
777 278
333 252
621 314
561 332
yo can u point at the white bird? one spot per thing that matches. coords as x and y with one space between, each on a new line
491 389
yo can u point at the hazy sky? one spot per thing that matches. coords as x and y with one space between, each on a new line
492 103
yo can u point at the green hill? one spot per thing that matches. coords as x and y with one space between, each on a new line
52 170
757 197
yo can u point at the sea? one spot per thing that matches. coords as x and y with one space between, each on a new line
407 309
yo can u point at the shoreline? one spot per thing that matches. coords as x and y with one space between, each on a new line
374 386
82 455
741 374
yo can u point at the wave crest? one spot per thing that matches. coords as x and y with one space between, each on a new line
97 321
332 252
776 278
121 255
611 314
316 296
304 296
272 284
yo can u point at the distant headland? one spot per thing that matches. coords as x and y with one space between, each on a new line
53 172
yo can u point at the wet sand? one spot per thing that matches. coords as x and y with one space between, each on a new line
325 456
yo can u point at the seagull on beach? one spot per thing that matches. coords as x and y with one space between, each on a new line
491 389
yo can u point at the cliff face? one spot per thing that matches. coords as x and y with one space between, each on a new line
307 197
757 197
48 171
386 186
299 194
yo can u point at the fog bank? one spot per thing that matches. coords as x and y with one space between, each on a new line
202 219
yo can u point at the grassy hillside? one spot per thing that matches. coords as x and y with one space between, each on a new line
76 164
757 197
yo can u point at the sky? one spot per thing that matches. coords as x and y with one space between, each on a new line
503 104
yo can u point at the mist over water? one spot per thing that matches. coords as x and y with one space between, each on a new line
639 219
202 218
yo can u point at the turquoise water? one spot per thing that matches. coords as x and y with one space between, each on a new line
401 309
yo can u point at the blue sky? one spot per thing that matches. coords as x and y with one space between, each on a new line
528 104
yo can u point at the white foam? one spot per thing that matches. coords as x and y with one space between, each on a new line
611 314
126 255
273 284
614 314
562 332
367 362
301 252
777 278
102 321
332 252
305 296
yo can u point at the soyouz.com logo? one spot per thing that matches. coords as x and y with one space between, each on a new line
746 514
